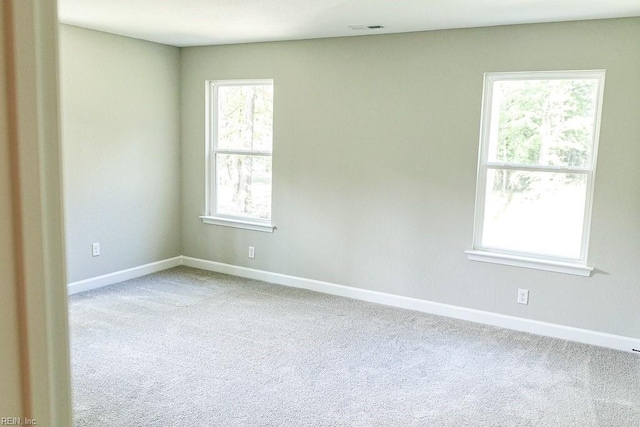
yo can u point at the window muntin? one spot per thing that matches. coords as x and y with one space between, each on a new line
537 161
240 150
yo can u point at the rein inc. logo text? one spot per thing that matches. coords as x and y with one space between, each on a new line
18 421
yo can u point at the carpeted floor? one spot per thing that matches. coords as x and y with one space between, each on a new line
186 347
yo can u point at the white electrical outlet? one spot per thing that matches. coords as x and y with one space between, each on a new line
252 252
523 296
95 249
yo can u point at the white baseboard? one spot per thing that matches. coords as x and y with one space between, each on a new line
569 333
585 336
120 276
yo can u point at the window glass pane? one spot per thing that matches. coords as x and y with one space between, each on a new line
543 122
245 117
243 186
536 212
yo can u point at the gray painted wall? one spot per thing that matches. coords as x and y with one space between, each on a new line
120 128
375 154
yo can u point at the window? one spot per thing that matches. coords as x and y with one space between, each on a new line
239 151
538 147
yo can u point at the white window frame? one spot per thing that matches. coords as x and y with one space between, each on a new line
479 252
211 149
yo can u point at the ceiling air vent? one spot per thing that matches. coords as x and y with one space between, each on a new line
366 27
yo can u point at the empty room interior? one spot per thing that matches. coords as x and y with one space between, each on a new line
351 213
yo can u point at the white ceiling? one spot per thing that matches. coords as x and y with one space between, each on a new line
212 22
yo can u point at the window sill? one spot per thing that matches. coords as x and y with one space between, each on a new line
534 263
238 223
